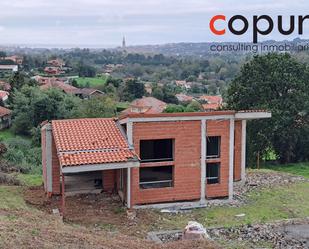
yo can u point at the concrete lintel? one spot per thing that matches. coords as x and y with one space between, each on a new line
99 167
171 119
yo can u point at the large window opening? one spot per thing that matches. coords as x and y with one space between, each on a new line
213 147
213 173
156 150
156 177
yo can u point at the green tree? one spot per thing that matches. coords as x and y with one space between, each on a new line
31 106
194 106
99 107
174 108
132 90
278 83
19 79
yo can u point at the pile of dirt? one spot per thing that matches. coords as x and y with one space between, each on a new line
35 196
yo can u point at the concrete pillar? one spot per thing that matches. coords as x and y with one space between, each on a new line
203 161
243 150
49 174
231 158
63 195
130 140
129 188
130 133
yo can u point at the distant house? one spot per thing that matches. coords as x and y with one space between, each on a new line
211 102
53 70
5 86
183 97
9 68
55 83
148 88
180 83
88 93
5 118
145 105
4 95
15 58
56 63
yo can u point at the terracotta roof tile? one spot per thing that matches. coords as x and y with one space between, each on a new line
97 157
90 141
4 111
149 105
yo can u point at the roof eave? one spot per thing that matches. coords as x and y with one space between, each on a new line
99 167
252 115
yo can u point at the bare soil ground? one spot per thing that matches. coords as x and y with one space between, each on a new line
103 211
36 229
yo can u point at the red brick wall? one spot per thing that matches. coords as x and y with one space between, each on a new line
237 151
109 179
43 146
187 135
55 169
219 128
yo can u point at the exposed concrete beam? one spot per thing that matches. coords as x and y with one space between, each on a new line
252 115
167 119
203 161
48 151
130 133
129 188
99 167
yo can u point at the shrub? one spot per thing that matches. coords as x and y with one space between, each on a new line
25 157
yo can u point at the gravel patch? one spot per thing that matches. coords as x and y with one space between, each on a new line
281 235
288 234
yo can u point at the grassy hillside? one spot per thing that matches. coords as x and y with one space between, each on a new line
91 82
294 168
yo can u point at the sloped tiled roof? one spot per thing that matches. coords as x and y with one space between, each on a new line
90 141
149 105
213 102
54 83
4 111
5 86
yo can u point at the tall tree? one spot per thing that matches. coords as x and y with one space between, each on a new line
278 83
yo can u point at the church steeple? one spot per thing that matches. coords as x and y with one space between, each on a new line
124 42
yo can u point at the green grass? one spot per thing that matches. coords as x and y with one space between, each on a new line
301 169
264 206
30 180
11 198
6 134
93 82
122 106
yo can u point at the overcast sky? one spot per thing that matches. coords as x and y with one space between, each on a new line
104 22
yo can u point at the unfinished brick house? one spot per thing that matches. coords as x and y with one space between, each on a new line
148 158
